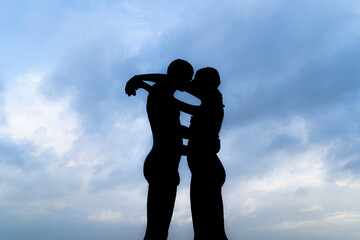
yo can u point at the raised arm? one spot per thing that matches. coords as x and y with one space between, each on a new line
152 77
137 82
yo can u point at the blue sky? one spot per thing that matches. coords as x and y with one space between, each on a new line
72 144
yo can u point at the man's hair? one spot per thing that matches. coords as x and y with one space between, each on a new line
180 67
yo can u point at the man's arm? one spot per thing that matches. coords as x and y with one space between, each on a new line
137 82
187 108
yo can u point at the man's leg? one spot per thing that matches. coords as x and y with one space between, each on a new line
160 205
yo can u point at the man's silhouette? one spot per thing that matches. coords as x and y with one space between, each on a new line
161 164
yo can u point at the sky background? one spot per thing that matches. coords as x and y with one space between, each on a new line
72 143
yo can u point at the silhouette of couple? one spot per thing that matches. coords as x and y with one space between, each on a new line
161 164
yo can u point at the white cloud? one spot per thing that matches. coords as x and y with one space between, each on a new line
182 212
330 219
107 215
32 117
291 122
304 169
343 217
315 207
349 183
249 206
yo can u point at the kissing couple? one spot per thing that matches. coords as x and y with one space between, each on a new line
161 164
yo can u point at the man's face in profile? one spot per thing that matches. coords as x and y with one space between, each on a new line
184 83
181 82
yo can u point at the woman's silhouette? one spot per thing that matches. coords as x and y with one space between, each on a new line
208 174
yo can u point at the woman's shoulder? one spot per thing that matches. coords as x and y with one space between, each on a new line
214 98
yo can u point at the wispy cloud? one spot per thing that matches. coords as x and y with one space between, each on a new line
315 207
107 216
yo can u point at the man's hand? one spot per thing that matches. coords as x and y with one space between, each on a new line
132 85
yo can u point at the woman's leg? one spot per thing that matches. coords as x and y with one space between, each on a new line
206 200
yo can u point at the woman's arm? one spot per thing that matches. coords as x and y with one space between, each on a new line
184 150
137 82
184 132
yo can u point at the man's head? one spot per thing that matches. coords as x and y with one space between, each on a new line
180 73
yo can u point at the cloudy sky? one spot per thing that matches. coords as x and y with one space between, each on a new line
72 144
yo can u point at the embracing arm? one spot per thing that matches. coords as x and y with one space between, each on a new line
137 82
152 77
187 108
184 132
184 150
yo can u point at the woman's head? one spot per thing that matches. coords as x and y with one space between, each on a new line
205 79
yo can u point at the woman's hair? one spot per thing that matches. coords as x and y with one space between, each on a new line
207 78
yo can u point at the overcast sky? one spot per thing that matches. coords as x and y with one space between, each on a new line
72 144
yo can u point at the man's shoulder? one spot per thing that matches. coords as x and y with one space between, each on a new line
159 89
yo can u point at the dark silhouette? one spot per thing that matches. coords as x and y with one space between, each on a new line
161 164
208 174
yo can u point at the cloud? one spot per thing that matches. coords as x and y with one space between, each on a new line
315 207
335 218
107 215
353 165
29 116
73 144
249 207
46 156
16 154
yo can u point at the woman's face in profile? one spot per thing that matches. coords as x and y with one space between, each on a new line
201 87
197 87
205 80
